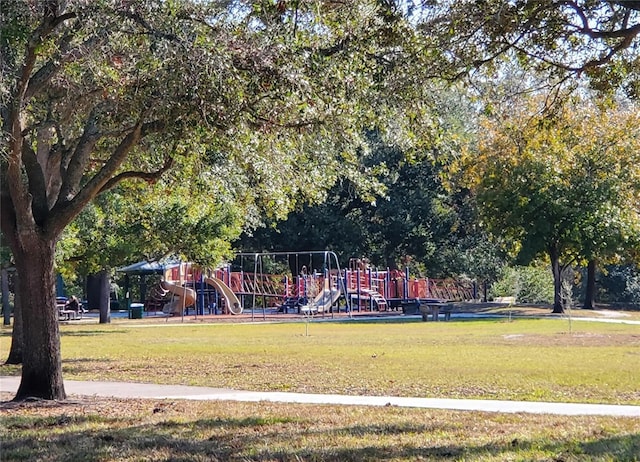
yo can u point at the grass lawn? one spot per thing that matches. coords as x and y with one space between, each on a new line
195 431
491 359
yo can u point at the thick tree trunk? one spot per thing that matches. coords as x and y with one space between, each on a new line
41 360
17 339
557 281
590 295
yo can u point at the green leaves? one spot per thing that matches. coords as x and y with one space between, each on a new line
568 181
598 39
266 102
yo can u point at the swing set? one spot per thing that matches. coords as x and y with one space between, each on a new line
287 281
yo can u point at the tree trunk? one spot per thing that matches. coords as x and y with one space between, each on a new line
105 297
590 295
557 280
17 339
6 307
41 360
98 294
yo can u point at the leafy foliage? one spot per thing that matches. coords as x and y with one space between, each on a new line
417 222
555 38
529 284
560 181
620 284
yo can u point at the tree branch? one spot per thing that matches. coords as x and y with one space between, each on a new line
149 177
43 75
138 19
17 189
72 176
624 44
37 183
69 206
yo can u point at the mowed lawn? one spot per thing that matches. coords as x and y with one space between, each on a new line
522 359
489 359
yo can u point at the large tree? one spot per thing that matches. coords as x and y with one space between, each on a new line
94 94
561 183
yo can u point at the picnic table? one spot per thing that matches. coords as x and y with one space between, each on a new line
433 307
67 315
64 314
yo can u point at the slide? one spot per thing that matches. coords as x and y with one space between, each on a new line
323 301
185 297
231 301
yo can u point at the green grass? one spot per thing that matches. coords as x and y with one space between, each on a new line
523 359
136 430
520 360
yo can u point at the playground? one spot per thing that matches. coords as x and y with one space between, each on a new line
303 283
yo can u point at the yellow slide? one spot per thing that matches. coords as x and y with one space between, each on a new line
232 302
185 297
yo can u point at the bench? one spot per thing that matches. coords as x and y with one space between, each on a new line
434 308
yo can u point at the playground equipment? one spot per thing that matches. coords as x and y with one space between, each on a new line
185 297
310 282
305 281
370 288
323 302
313 282
232 302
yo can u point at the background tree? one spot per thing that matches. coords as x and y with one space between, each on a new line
417 220
415 223
11 305
135 222
561 183
94 94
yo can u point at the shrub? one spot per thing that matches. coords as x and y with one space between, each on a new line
529 284
620 284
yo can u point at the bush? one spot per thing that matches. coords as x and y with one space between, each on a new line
529 284
620 284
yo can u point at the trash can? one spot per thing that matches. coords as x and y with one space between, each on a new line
135 311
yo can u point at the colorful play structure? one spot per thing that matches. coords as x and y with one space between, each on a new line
306 283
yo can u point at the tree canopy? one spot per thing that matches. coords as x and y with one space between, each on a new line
97 94
562 183
560 38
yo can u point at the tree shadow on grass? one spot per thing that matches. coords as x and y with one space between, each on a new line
281 438
79 366
91 333
619 448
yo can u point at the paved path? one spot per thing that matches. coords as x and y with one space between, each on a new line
140 390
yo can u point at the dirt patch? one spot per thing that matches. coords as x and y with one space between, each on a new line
612 314
587 339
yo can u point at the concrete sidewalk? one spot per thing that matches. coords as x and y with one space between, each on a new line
153 391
